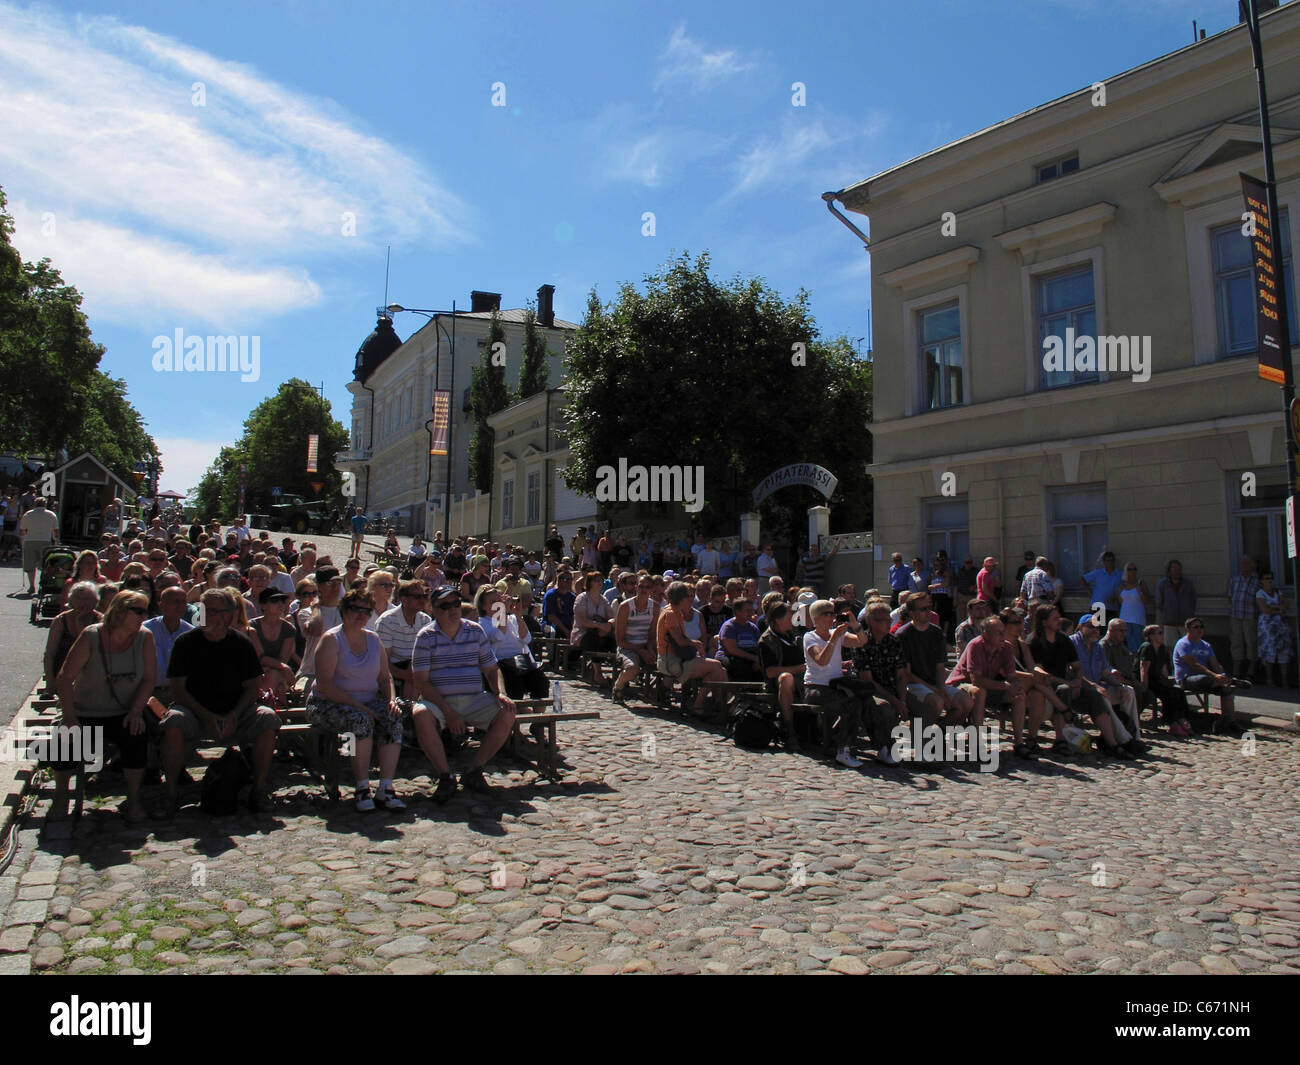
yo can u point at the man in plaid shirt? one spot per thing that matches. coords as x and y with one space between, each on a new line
1037 587
882 657
1242 625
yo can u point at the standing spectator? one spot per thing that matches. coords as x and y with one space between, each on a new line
1243 630
113 517
899 578
964 583
941 589
39 528
1274 636
709 559
9 545
1175 600
1102 584
766 569
918 579
749 561
1037 587
358 524
451 662
1028 564
604 552
554 543
813 566
1134 598
986 582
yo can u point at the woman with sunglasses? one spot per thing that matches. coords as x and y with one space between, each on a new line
380 586
105 683
498 615
353 694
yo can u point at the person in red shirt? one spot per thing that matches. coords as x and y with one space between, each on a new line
986 581
986 670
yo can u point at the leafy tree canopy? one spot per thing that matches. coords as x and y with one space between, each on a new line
725 375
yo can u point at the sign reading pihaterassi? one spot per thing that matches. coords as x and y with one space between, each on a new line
800 473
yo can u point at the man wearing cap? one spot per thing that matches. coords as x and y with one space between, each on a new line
1098 675
451 661
514 583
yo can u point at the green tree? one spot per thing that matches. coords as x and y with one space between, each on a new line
54 395
488 393
742 386
535 373
273 450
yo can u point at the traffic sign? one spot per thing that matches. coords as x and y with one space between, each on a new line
275 491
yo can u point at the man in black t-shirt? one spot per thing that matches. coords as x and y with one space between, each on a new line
925 654
214 676
781 660
622 553
555 544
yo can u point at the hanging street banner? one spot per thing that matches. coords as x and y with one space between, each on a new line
800 473
1260 231
313 445
441 421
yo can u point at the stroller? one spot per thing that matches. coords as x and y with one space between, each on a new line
56 567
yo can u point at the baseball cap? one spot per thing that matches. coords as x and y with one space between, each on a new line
329 573
669 575
446 593
1086 619
270 595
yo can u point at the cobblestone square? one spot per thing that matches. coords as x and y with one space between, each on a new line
691 855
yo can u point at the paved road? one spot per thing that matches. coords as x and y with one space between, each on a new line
671 850
22 645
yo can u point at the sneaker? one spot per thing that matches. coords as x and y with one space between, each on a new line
845 757
474 780
886 756
364 802
259 802
619 695
446 788
388 800
1135 747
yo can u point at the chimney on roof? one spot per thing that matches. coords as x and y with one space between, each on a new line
546 306
484 301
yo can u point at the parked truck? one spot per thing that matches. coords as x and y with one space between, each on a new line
298 515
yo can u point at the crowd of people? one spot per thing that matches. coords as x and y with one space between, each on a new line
175 635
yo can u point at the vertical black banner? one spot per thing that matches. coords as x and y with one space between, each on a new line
1266 280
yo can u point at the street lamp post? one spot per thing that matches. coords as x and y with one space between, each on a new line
433 316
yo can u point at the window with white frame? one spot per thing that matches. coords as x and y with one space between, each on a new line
508 503
1067 309
1057 168
534 502
946 526
943 381
1077 530
1234 287
1257 524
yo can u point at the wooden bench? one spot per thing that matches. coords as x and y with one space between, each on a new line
533 712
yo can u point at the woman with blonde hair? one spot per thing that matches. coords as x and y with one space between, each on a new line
106 683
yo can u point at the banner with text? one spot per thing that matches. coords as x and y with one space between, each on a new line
313 446
1266 303
800 473
441 421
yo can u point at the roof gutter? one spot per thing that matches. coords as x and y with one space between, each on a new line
830 198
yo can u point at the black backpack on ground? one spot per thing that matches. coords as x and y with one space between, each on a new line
222 782
753 725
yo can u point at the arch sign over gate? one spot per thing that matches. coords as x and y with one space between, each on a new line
800 473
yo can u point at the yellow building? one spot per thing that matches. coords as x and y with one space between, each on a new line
1114 212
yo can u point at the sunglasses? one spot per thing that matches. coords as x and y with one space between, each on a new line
450 606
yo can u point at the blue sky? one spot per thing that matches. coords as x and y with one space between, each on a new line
232 217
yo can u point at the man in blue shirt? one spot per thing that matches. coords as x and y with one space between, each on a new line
557 605
899 577
1102 584
1197 670
1109 685
358 523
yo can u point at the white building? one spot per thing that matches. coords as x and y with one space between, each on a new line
392 405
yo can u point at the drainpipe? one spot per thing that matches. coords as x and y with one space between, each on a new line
830 198
370 446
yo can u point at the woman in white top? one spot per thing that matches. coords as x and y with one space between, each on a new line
1134 598
824 667
499 617
379 587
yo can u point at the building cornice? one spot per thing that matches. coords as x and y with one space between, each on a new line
1050 233
944 268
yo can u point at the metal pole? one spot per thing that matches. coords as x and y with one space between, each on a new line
451 418
1283 296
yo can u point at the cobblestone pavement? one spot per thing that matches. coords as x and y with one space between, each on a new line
671 850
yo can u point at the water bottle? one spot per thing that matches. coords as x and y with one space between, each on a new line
558 696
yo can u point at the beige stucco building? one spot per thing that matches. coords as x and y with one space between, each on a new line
1114 211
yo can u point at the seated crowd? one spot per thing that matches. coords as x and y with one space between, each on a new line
187 636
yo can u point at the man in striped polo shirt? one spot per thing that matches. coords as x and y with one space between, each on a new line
450 662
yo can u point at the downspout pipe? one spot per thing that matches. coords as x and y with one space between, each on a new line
830 198
370 447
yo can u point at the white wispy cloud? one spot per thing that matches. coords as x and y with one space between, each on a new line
97 121
687 62
800 151
185 459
